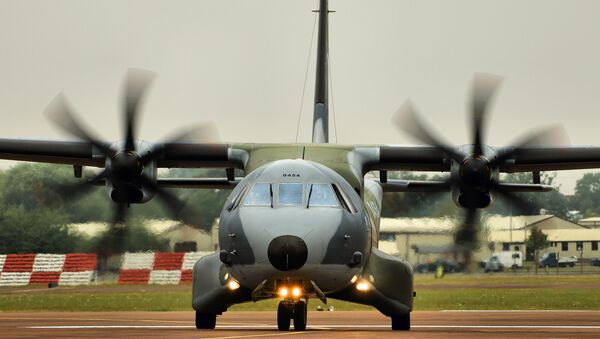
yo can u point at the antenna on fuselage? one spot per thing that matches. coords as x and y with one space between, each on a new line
321 109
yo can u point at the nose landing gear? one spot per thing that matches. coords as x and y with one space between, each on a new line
289 310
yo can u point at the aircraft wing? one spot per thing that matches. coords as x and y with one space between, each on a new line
410 158
529 159
175 155
532 159
51 151
170 155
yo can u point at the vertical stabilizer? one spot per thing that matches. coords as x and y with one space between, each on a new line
321 113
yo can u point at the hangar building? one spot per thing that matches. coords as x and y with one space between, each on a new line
426 239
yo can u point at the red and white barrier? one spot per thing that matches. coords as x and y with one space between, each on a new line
64 269
162 268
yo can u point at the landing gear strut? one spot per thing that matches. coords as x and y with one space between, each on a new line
401 322
289 310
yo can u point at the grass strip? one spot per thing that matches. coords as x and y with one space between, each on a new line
427 299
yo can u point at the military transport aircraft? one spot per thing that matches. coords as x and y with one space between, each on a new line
303 221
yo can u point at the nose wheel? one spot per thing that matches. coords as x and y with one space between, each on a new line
288 310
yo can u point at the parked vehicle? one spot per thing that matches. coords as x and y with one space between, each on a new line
493 264
505 259
449 266
596 261
552 260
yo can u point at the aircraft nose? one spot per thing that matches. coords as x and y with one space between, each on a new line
287 252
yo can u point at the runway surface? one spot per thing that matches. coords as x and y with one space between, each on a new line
442 324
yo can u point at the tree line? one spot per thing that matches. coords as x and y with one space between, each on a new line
34 215
35 211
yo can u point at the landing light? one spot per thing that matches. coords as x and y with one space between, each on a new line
363 286
283 292
296 292
233 285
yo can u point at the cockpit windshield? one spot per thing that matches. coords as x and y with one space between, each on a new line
290 193
322 195
260 195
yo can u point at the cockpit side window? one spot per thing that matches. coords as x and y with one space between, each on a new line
237 199
322 195
260 195
346 203
290 193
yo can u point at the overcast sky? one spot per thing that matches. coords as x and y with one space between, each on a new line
242 63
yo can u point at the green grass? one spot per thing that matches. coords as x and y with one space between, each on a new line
452 292
508 299
118 301
507 279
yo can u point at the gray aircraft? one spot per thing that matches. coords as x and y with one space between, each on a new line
303 221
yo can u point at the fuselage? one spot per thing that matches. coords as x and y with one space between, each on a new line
295 221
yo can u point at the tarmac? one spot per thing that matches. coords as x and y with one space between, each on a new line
337 324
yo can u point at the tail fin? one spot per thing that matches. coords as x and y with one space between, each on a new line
321 112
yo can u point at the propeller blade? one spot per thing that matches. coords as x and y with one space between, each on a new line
484 87
522 205
174 204
137 83
113 240
466 237
201 133
554 135
72 191
407 119
60 112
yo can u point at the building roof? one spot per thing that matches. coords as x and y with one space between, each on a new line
593 221
157 226
416 225
492 223
519 236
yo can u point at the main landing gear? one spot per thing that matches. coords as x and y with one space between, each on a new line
289 310
205 321
401 322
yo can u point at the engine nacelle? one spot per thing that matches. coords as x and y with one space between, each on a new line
472 198
128 190
471 177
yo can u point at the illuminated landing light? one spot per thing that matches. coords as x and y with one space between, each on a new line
233 285
363 286
296 292
353 280
283 292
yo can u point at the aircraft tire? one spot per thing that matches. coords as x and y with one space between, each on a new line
300 316
401 322
284 316
206 321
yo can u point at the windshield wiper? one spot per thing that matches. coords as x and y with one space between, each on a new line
271 193
309 194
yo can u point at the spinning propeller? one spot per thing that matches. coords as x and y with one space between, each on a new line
129 171
475 167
